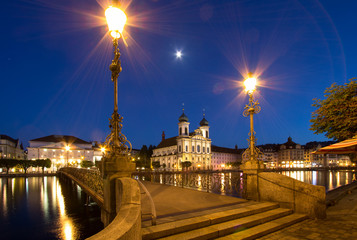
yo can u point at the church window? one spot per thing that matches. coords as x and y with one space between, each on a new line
186 148
180 131
206 134
193 148
198 148
207 149
203 149
179 148
185 130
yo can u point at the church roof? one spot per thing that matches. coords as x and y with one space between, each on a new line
290 143
60 138
225 150
167 142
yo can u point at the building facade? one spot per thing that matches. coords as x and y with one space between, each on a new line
194 147
11 148
63 150
224 158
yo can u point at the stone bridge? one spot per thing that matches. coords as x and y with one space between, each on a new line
89 180
185 213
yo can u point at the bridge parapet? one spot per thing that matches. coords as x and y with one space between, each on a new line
91 178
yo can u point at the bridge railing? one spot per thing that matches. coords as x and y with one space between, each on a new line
90 177
222 182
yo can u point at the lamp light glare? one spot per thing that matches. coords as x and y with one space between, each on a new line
116 20
250 84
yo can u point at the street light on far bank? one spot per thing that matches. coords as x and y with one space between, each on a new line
67 150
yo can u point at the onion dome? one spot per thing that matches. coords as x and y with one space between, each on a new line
183 118
204 122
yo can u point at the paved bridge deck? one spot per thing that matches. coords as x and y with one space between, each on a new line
173 203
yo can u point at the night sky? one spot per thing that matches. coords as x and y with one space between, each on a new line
55 77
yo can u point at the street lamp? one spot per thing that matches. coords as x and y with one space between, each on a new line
116 143
67 149
252 152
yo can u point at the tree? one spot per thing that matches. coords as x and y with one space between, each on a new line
336 116
186 164
8 164
234 164
43 163
86 164
156 164
26 164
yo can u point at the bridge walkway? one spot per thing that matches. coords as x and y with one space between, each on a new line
190 214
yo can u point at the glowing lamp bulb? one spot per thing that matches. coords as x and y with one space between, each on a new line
116 20
250 84
102 149
67 148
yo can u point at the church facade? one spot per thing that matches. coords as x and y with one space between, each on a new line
194 147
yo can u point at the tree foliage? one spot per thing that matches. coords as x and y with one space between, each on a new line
43 163
336 116
26 164
234 164
86 164
156 164
8 164
186 164
144 156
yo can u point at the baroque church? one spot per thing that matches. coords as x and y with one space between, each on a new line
194 147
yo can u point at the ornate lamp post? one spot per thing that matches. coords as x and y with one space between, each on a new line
116 143
251 164
252 152
115 162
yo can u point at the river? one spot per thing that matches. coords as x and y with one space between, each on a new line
46 208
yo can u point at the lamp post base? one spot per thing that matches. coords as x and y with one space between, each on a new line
251 169
116 166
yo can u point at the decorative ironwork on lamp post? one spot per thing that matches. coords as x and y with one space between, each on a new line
116 143
252 153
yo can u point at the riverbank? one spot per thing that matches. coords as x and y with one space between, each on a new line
13 175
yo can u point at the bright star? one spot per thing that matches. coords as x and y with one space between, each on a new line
178 54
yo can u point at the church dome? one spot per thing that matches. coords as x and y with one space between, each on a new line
204 122
183 118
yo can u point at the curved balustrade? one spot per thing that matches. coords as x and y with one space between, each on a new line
223 182
91 179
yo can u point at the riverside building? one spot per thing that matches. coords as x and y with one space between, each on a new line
11 148
63 150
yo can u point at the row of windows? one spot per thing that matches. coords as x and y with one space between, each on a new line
193 149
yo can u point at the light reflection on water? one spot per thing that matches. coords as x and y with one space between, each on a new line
45 208
329 179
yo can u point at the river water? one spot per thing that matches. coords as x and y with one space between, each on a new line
46 208
329 179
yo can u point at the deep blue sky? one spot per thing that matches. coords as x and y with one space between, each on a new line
55 56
